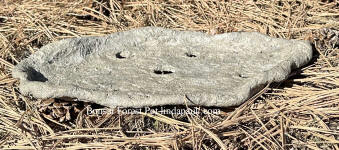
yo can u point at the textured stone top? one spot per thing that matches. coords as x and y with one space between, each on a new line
154 66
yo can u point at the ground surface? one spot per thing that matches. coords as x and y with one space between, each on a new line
301 112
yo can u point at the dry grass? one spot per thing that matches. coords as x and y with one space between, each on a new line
300 113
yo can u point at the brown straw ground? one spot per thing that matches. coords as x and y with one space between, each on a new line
299 113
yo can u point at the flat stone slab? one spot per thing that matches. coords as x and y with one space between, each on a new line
154 66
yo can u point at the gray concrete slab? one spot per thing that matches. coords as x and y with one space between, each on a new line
154 66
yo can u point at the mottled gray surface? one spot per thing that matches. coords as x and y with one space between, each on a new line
156 66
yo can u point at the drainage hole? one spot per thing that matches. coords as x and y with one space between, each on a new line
190 55
162 72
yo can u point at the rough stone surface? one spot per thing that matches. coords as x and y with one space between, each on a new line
155 66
